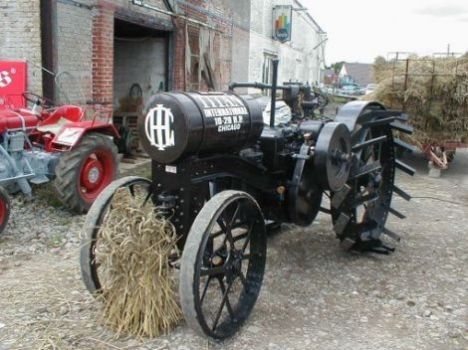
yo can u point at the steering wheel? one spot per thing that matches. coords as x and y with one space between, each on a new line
33 98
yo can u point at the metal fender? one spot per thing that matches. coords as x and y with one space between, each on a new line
352 113
71 134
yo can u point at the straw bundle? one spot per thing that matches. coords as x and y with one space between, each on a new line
135 246
433 91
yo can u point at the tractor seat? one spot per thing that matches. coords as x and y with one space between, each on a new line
69 112
53 128
58 118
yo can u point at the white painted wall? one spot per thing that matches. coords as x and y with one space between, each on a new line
298 59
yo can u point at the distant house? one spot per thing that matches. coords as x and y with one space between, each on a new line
330 77
356 73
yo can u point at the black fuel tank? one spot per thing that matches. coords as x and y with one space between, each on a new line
175 125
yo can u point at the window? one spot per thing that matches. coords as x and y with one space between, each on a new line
267 71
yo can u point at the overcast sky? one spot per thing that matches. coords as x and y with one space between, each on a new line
360 30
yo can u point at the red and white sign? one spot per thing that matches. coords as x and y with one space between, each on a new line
12 84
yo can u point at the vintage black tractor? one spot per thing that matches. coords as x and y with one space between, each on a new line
222 177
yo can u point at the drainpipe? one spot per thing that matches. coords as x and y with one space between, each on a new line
48 23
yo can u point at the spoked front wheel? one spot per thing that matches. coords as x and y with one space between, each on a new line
93 271
222 264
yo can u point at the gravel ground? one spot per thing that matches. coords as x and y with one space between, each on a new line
314 296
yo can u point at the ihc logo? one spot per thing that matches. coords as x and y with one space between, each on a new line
5 79
158 127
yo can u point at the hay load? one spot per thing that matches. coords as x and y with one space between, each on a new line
135 248
433 91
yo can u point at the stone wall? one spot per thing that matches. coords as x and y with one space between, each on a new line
74 53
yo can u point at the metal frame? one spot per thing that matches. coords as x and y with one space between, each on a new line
184 188
144 20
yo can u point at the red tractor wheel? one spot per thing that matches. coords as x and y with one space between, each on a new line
85 171
4 209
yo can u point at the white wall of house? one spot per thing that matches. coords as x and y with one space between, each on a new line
343 71
300 58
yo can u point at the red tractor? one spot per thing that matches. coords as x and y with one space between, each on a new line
47 143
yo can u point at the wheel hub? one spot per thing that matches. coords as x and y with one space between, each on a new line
233 266
92 174
237 261
333 156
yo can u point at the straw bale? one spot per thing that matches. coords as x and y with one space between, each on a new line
135 248
433 91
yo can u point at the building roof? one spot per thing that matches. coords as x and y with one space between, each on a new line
361 73
307 12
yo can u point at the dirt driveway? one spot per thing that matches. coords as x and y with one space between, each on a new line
314 295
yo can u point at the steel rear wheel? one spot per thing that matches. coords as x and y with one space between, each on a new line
4 209
222 264
360 210
84 172
92 271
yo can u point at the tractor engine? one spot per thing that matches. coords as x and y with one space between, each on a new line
22 162
179 125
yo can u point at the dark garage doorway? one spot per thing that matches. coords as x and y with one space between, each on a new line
140 60
140 71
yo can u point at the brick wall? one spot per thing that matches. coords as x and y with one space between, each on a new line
179 75
127 5
20 37
84 41
182 79
74 49
103 55
218 14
